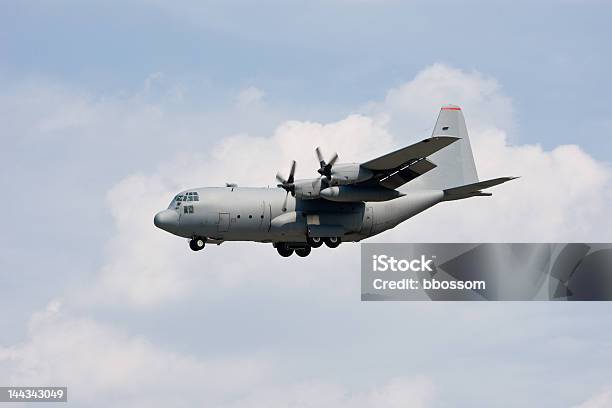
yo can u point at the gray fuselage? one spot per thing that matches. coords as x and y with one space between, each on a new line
270 215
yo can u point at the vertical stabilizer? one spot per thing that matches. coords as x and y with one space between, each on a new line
455 163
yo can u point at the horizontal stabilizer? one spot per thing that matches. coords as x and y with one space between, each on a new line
473 190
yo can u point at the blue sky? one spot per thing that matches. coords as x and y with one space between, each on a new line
108 108
549 56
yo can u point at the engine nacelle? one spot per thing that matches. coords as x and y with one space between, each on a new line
349 173
307 189
354 194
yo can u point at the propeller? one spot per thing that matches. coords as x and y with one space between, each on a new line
325 169
287 184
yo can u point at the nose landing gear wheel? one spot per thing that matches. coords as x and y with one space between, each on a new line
332 242
303 251
197 244
315 242
284 250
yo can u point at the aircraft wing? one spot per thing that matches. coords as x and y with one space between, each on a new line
399 167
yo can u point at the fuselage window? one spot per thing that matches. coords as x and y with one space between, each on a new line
188 209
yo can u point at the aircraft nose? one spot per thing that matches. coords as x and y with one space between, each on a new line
167 220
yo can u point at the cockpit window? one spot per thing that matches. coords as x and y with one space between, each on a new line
188 196
191 196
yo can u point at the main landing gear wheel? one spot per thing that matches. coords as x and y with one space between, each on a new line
284 250
303 251
197 244
332 242
315 242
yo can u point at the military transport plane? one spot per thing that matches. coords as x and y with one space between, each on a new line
344 203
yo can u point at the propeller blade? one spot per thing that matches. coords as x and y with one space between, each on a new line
280 178
333 160
320 156
285 202
291 173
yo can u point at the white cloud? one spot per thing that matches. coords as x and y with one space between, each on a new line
413 105
563 194
98 363
603 399
102 366
146 266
